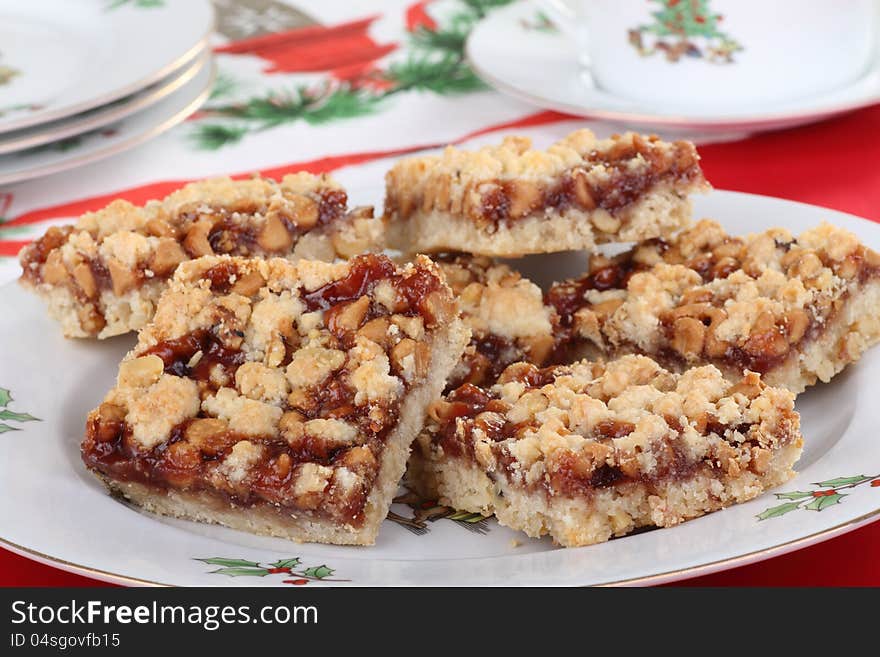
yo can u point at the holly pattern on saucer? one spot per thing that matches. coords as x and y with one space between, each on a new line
685 28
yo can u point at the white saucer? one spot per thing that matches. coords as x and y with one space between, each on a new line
539 66
111 139
62 57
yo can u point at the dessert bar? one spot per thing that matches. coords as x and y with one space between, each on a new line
505 313
279 398
510 200
588 451
794 309
103 275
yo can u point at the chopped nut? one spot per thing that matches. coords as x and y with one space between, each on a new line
376 330
581 188
54 271
248 284
196 240
275 237
122 277
411 359
605 221
538 347
282 465
438 308
84 277
688 336
140 372
208 435
524 197
414 327
305 212
166 257
358 458
291 425
159 228
797 322
347 316
109 422
848 268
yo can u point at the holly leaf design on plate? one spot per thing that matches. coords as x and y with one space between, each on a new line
241 572
794 495
318 572
5 427
842 481
230 563
286 563
6 414
5 397
780 510
825 501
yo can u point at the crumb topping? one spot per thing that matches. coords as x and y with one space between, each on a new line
122 248
503 183
271 381
706 296
506 314
569 430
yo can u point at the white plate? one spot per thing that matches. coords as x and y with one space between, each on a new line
539 66
45 133
53 510
110 139
69 56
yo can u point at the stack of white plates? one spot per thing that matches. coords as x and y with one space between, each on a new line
84 79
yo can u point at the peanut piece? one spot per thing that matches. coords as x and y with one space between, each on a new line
688 337
411 359
196 241
348 317
376 330
207 434
274 237
439 308
54 271
605 221
524 197
140 372
84 277
249 284
122 277
305 212
167 256
581 187
159 228
796 323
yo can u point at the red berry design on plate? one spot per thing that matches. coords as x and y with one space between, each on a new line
297 582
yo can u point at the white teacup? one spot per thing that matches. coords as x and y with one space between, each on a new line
714 54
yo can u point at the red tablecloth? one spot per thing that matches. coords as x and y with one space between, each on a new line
831 164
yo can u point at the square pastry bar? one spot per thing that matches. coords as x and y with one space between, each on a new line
510 200
587 451
506 314
278 398
103 275
794 309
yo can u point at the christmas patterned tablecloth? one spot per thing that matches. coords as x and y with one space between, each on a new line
345 87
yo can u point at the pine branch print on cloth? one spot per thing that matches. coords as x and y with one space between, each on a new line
357 85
